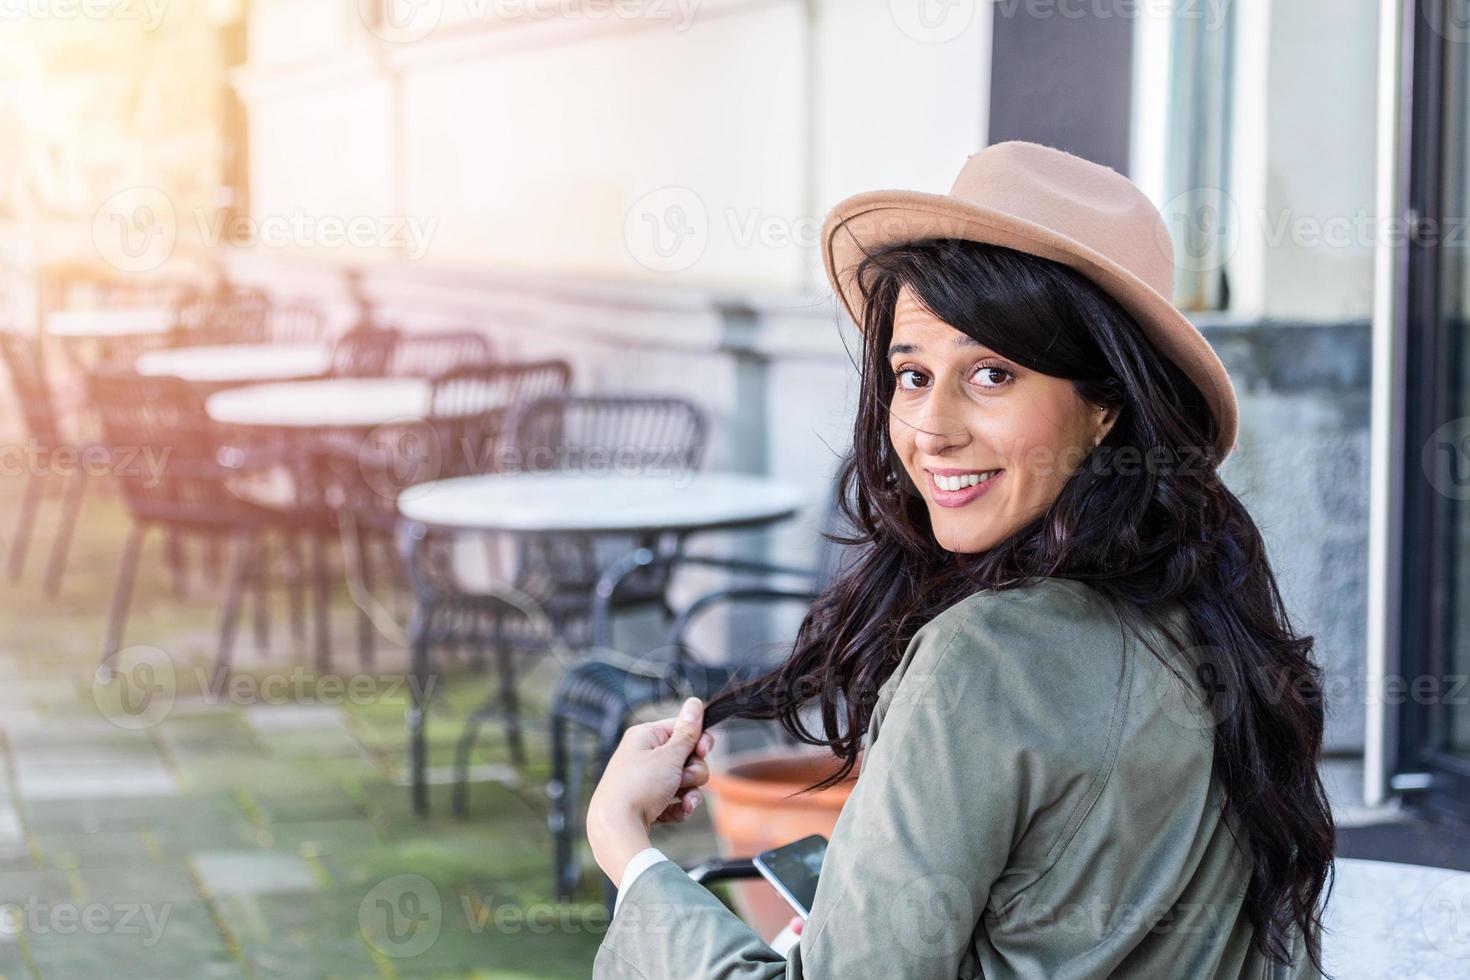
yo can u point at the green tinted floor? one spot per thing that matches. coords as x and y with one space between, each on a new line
157 828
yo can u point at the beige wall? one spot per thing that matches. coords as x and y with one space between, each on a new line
697 146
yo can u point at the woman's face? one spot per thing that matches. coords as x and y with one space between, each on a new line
988 443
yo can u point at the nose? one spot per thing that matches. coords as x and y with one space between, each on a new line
940 426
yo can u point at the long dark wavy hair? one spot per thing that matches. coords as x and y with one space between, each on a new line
1144 537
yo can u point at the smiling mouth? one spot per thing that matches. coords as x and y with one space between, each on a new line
955 489
959 481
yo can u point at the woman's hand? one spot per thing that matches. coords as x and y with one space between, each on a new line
653 777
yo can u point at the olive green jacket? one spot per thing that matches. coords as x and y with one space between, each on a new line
1035 801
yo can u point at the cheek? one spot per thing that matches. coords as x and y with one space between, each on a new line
901 438
1032 447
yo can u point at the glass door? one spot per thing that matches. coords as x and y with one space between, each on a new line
1435 691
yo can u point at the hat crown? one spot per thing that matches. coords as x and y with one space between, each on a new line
1088 202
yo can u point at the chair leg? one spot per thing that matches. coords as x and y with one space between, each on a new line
510 709
365 628
70 508
122 593
417 715
177 562
295 572
463 750
240 571
259 588
213 560
25 522
559 818
573 813
612 731
323 595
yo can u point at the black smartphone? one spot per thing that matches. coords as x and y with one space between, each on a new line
793 869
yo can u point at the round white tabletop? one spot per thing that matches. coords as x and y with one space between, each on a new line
1396 920
220 363
600 502
105 324
361 403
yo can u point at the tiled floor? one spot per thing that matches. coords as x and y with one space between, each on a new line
154 828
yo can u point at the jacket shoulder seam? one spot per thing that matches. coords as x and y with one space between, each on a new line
1099 779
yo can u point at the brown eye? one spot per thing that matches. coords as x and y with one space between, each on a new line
991 376
908 379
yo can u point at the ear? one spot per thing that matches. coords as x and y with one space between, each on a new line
1103 418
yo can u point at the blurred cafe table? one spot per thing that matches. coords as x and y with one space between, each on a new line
297 418
217 366
107 324
113 332
350 403
582 503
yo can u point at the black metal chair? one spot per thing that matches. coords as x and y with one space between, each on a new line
85 289
556 571
365 351
27 368
297 322
185 487
136 291
601 695
429 355
471 405
463 435
233 315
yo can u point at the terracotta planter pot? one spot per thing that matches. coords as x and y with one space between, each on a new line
753 809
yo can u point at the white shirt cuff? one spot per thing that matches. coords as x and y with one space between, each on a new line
640 863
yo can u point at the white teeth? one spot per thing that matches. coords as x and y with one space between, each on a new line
965 480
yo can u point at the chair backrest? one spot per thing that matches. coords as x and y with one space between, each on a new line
164 447
365 351
295 323
469 408
240 316
136 291
22 357
608 433
191 313
428 355
615 435
234 315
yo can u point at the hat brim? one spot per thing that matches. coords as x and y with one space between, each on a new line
865 222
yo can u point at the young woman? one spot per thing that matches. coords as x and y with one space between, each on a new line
1088 733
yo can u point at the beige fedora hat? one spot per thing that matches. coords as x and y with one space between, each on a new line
1047 202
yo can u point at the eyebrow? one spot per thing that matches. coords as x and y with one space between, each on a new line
963 340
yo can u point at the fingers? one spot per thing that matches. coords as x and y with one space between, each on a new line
687 728
684 804
795 924
652 734
696 773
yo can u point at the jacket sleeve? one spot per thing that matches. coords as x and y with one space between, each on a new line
948 785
